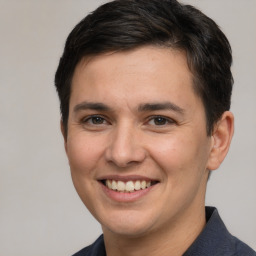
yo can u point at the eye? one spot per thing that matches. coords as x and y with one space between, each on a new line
94 120
160 121
97 120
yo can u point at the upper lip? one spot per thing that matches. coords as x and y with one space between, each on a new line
126 178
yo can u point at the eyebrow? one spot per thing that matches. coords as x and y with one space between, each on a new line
142 107
160 106
91 105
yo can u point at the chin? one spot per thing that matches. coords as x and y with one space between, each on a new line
128 232
129 225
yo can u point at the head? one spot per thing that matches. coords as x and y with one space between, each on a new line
144 88
129 24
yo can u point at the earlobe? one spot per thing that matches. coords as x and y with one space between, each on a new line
62 128
221 139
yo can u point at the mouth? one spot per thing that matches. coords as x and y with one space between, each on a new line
128 186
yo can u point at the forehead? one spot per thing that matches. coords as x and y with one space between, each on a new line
145 72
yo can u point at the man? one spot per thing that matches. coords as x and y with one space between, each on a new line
145 91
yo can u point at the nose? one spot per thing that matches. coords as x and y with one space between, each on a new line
125 148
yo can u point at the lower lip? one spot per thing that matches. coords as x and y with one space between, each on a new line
126 196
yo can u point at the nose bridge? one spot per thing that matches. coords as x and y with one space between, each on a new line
125 147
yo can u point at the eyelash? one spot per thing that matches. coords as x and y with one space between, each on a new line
102 120
93 117
166 120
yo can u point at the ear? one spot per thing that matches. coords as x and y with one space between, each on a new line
221 139
63 134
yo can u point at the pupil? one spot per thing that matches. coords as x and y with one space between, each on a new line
97 120
160 121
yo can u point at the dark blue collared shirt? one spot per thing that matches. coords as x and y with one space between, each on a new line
214 240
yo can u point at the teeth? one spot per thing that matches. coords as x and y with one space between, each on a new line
137 185
113 185
109 184
120 186
143 184
128 186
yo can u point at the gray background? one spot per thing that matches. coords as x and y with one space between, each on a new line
40 213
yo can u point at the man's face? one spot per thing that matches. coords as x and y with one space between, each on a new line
137 143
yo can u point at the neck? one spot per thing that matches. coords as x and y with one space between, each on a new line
170 240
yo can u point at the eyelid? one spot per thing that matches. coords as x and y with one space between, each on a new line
168 119
86 119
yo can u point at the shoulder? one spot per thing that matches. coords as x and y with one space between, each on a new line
83 252
241 248
215 239
227 244
95 249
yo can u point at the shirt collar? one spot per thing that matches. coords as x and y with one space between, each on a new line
213 236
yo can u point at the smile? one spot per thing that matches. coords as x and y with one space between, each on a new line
128 186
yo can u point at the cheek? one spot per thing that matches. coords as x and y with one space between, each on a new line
180 155
83 154
171 152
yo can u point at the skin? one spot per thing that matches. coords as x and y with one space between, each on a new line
121 137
